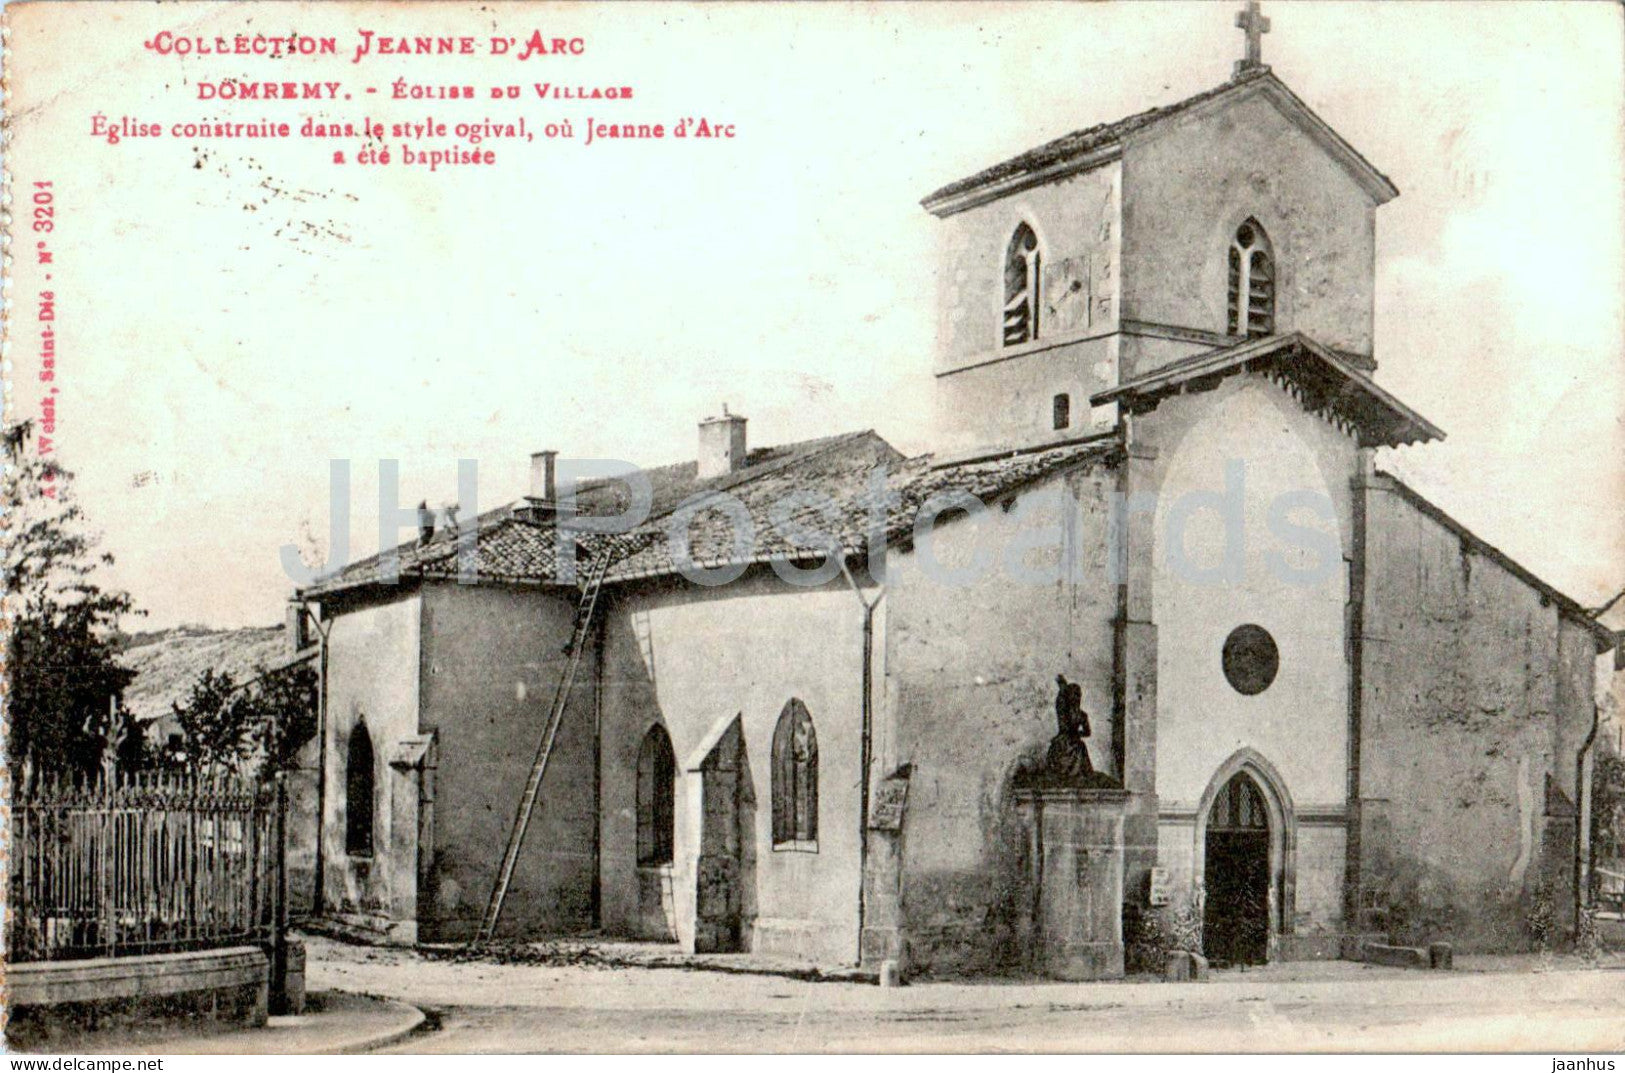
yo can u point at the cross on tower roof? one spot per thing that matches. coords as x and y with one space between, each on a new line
1252 20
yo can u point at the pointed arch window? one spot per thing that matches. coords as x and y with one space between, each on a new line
1021 274
657 770
1252 282
1239 807
358 793
795 779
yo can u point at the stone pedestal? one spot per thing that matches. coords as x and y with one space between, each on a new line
1072 923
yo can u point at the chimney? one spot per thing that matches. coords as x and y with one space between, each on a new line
297 626
543 475
722 444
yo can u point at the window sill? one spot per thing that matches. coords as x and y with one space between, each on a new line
357 855
810 846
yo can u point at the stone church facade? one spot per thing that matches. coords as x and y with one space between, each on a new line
1334 710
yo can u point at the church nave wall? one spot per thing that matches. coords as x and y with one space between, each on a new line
967 706
691 660
1477 696
372 659
492 657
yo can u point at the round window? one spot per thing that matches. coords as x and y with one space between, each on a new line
1250 659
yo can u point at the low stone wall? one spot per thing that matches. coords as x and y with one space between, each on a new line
58 1001
1435 956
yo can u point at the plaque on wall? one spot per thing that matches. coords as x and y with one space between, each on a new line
1159 887
891 799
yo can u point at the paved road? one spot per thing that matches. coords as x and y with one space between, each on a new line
1331 1007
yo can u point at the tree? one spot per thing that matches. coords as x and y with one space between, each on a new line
62 656
286 701
229 726
217 724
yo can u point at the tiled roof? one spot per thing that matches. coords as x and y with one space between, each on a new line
990 478
413 556
1102 136
511 550
841 487
1324 382
514 545
803 508
798 510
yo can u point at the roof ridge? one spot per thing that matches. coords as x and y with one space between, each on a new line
794 446
1000 454
752 473
1086 147
1095 134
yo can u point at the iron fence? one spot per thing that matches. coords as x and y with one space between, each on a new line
148 864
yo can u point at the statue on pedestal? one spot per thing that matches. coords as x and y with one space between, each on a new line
1067 762
1068 755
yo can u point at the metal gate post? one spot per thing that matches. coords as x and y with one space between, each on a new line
279 938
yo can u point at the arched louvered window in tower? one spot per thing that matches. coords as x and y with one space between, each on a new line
1021 268
358 793
795 778
657 770
1252 282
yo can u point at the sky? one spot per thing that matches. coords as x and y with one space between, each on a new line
233 314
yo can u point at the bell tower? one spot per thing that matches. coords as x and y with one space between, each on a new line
1123 247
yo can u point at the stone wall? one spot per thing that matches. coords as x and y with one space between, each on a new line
372 674
303 828
1477 695
492 658
692 659
969 695
60 1005
1009 402
1075 220
988 393
1189 182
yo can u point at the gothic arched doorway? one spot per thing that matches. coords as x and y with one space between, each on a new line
1236 875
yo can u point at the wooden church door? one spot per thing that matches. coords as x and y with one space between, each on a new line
1236 910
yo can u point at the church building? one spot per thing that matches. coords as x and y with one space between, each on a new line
1157 502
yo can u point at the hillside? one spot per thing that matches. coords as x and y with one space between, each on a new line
166 662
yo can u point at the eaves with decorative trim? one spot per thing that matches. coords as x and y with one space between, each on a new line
1318 378
1093 146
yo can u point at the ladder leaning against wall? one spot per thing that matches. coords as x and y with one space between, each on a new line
605 557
